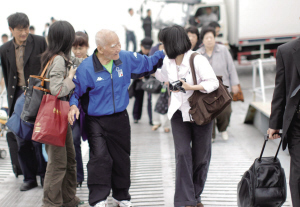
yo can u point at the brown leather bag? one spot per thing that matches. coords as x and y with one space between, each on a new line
206 106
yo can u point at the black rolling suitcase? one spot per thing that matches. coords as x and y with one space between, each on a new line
13 151
264 184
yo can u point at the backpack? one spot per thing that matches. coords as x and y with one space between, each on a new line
264 184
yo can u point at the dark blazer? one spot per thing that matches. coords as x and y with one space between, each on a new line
35 46
286 81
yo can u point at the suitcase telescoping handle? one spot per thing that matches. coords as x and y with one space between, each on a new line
266 137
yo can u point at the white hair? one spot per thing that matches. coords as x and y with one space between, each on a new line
102 37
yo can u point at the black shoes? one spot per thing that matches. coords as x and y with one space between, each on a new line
28 186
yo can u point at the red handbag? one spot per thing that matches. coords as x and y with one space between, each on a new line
51 124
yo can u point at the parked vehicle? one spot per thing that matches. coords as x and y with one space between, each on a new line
251 28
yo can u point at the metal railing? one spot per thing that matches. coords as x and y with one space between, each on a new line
257 65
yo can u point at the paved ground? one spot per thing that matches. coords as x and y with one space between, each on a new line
153 165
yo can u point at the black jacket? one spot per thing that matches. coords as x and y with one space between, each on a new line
35 46
147 26
287 79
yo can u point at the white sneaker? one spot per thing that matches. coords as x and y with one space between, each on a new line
101 204
224 135
124 203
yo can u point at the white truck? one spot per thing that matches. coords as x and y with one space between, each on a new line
251 28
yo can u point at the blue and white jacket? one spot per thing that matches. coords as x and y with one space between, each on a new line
102 93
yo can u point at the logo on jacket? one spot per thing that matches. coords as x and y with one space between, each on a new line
120 72
99 79
135 55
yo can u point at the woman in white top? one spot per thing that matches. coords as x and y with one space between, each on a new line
191 162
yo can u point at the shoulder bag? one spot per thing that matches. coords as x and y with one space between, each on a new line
51 124
37 87
15 124
206 106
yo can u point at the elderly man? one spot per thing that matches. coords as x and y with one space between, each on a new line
102 82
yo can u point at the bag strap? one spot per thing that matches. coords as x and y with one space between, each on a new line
48 63
58 92
193 67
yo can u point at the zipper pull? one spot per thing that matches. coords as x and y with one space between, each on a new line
111 76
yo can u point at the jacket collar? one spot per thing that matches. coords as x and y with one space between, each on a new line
296 54
28 48
11 56
202 50
16 45
98 67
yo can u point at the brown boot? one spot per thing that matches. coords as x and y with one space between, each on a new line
200 205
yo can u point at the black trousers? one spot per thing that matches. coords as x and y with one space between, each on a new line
130 37
138 105
192 163
222 121
294 149
109 164
30 156
31 159
77 145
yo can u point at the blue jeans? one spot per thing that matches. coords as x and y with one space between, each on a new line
77 145
130 36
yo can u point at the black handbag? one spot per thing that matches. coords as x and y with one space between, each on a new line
162 103
152 85
138 83
264 184
37 87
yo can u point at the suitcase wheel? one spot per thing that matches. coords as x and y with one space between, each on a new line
3 154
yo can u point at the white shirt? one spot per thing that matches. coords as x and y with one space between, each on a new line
130 23
204 75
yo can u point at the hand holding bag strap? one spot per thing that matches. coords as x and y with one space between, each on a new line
193 67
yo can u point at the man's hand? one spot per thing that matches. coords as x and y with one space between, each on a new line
235 89
73 110
273 133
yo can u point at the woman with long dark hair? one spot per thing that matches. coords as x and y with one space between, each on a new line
192 163
60 179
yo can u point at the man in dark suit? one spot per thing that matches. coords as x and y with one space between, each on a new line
147 24
285 109
20 58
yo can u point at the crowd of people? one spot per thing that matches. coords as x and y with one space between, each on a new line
97 87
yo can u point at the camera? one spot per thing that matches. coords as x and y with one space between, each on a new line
177 85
